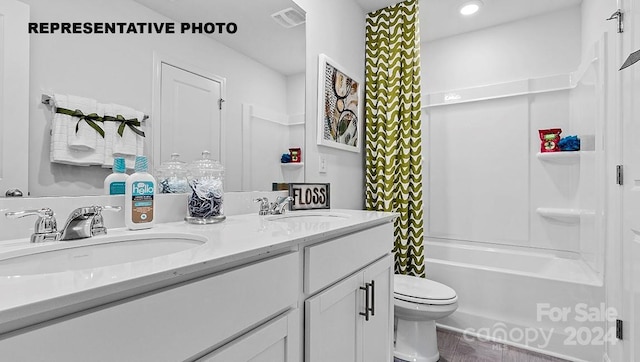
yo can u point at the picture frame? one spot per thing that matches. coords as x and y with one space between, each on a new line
309 196
340 105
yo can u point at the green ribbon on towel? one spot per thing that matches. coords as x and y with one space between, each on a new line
91 119
131 123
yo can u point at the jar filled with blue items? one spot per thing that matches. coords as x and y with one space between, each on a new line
206 179
172 176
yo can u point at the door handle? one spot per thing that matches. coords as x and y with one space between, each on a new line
369 300
366 302
373 297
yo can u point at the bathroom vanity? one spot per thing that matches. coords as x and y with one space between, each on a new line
303 286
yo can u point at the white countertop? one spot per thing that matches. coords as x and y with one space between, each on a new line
28 299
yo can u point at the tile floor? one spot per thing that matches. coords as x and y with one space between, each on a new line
454 347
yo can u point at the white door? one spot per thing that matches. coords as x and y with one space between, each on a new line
190 114
333 323
14 96
631 189
378 330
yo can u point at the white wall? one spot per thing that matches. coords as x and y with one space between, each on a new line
118 69
344 43
483 178
533 47
295 108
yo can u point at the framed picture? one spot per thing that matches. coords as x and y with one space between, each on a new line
339 106
309 196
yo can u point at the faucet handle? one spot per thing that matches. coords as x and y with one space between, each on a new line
97 226
281 204
44 212
281 199
100 209
264 205
46 227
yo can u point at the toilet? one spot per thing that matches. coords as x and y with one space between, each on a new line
418 303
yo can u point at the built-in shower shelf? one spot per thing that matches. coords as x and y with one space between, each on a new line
292 165
569 216
563 157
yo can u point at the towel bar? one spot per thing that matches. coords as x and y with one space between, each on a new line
47 100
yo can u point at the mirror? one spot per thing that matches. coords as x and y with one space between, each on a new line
261 62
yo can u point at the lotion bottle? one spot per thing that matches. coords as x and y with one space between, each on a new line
115 183
139 203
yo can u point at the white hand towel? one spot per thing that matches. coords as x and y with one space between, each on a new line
129 144
61 152
86 137
110 131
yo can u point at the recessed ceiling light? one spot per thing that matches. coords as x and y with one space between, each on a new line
470 7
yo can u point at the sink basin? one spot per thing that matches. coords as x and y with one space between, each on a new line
92 253
308 216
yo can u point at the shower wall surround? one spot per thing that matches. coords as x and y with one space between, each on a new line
486 181
495 207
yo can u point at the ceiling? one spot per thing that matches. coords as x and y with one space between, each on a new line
283 50
258 35
440 18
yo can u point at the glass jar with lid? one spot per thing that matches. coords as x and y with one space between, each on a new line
172 176
206 180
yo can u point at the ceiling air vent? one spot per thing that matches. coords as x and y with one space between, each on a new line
288 17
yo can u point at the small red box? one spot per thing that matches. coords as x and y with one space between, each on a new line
296 154
550 139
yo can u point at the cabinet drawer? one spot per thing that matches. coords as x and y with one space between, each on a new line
171 325
274 342
330 261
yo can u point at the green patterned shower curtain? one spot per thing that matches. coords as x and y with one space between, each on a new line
393 130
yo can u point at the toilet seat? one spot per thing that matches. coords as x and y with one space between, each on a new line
422 291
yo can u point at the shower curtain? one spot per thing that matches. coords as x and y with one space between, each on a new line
393 164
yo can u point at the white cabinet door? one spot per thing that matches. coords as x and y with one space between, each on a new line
333 323
378 330
336 328
274 342
14 96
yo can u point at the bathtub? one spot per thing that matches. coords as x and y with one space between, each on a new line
548 302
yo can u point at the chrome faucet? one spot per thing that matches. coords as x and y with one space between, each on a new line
273 208
46 228
84 222
279 207
264 206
